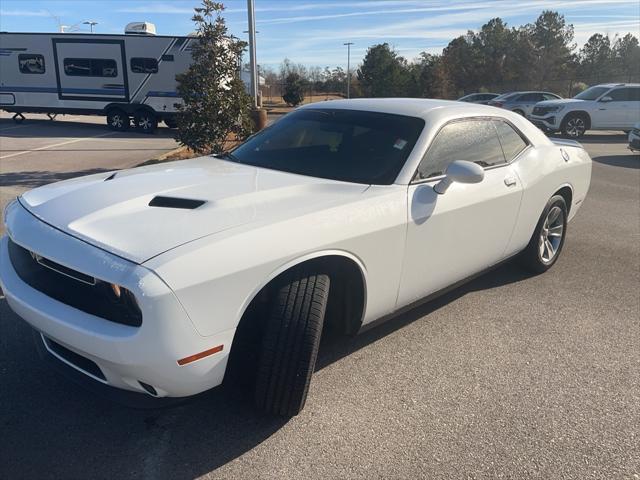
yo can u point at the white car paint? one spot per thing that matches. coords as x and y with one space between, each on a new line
194 272
604 112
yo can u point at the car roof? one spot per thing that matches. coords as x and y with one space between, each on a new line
414 107
611 85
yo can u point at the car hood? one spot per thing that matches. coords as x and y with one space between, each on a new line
112 211
560 101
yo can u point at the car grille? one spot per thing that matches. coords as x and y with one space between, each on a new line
541 110
73 288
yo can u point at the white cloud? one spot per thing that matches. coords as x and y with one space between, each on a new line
24 13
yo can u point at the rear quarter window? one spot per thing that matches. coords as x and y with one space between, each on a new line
511 141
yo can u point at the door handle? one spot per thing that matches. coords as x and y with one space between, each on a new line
510 181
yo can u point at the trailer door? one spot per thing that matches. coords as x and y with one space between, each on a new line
88 69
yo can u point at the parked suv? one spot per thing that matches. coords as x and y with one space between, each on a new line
522 102
610 106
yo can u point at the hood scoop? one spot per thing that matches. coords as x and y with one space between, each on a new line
174 202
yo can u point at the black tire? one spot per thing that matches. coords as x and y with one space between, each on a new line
574 125
532 257
519 112
290 342
171 122
118 120
145 121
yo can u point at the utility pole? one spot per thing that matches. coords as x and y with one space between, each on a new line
348 44
252 52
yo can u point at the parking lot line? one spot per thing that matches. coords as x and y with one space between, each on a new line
2 157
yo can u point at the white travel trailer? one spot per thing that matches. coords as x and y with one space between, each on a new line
124 77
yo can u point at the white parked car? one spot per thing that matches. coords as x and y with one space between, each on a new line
339 214
611 106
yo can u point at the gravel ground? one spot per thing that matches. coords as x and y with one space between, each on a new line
510 376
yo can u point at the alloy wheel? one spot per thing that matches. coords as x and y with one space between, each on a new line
117 122
576 127
551 234
145 123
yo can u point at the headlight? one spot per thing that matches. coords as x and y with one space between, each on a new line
7 207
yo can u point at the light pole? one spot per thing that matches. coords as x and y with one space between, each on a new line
348 44
252 52
91 23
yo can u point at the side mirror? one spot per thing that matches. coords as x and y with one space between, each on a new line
606 99
459 171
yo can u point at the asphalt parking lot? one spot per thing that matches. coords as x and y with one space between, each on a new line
510 376
40 151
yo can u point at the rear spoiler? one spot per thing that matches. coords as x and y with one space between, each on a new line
567 143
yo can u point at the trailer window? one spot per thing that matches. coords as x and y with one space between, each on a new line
90 67
144 65
31 63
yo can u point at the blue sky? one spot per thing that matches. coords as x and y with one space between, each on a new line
312 32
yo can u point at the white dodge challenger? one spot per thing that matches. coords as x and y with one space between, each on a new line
341 213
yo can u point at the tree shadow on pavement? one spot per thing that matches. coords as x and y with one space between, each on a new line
56 429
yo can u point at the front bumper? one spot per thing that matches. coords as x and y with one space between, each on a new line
547 123
125 355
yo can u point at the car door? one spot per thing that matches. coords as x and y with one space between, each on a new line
466 229
612 110
529 100
90 70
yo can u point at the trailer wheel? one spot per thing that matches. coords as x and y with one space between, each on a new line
118 120
145 121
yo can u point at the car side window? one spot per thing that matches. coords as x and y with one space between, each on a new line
530 97
473 140
620 95
634 94
511 141
549 96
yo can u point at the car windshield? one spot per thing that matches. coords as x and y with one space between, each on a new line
338 144
592 93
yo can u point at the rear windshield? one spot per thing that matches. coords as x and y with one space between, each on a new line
347 145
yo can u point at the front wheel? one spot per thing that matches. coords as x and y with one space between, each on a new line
548 238
290 343
145 121
574 126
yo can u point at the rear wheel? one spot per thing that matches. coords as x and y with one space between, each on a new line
548 238
118 120
290 342
574 125
145 121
